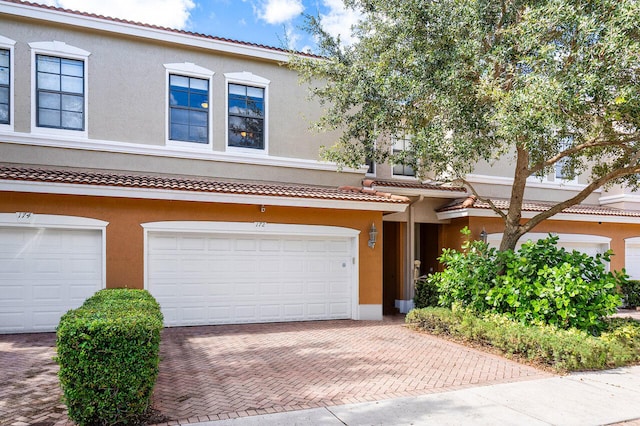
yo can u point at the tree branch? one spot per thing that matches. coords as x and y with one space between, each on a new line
581 196
484 199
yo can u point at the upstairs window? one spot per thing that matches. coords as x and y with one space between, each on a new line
247 113
246 116
560 174
6 83
400 145
59 93
5 88
188 109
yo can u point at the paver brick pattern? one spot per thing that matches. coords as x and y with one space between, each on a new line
30 393
219 372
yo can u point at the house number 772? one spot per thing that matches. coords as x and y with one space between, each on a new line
261 224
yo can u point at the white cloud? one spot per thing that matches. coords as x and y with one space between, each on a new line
166 13
339 20
292 37
280 11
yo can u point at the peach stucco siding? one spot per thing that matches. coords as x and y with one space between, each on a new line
125 236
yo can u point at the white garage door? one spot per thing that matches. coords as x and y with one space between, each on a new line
221 278
632 258
44 272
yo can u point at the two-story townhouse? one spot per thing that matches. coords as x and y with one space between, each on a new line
145 157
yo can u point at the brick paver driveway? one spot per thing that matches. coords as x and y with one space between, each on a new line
217 372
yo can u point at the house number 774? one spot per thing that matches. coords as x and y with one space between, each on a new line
23 216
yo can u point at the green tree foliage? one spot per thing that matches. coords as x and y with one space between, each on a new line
538 284
538 82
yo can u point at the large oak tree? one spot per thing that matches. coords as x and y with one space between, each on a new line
535 82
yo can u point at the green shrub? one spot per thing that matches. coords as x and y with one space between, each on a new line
631 293
539 283
108 351
562 350
426 293
468 275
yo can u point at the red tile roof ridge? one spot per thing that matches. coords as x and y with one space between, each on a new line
412 184
156 27
533 206
183 183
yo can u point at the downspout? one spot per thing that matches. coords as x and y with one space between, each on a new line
409 264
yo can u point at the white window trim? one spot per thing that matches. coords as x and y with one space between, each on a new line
188 69
8 44
61 50
405 139
562 181
247 79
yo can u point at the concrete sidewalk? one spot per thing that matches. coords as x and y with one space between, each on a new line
597 398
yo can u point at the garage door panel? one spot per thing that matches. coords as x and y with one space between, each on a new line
248 278
632 260
44 272
11 266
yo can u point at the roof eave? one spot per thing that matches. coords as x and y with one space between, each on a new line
416 192
142 31
198 196
573 217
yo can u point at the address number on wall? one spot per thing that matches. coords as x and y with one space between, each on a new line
24 216
260 224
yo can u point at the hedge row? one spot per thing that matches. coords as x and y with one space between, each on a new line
108 351
562 350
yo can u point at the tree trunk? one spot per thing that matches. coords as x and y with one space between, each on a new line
512 233
512 228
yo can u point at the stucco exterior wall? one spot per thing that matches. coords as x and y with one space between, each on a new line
617 232
125 236
127 88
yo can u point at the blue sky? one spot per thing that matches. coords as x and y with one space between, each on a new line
269 22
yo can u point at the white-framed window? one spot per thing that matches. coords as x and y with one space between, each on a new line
188 105
401 144
247 112
6 83
59 89
559 174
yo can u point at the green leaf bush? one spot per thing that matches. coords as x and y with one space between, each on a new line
631 293
108 352
538 284
426 293
559 349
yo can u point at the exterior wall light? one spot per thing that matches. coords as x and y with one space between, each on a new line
483 236
373 235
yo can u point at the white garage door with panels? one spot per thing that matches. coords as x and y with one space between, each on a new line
48 265
205 273
632 257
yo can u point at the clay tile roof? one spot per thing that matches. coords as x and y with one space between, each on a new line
373 192
417 185
156 27
537 206
181 183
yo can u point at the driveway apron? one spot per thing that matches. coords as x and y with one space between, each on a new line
212 373
220 372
